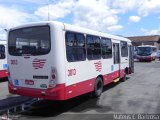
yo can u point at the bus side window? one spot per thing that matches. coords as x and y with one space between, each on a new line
93 47
80 48
75 47
106 46
70 46
124 49
2 52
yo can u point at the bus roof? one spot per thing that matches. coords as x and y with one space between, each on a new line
92 32
75 29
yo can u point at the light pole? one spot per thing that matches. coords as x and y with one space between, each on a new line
48 13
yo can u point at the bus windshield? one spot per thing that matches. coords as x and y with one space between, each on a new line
30 41
144 51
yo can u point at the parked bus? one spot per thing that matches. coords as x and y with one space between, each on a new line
3 60
58 61
146 53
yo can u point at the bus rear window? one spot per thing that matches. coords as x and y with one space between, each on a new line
29 40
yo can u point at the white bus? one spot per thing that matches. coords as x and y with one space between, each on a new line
3 60
146 53
58 61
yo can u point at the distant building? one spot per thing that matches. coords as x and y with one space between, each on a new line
146 40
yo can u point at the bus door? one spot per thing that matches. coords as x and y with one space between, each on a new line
116 53
131 59
124 64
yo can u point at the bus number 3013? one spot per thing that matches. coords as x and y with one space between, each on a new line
71 72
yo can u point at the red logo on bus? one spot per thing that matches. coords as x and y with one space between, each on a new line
38 63
98 66
71 72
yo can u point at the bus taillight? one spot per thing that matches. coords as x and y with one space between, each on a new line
53 76
52 82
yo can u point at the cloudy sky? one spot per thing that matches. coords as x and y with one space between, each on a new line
119 17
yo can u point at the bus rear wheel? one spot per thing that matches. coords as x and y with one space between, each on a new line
98 88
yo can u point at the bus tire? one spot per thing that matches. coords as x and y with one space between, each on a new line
98 88
123 79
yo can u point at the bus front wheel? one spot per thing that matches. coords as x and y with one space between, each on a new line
98 88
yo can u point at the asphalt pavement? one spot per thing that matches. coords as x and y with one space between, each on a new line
8 100
139 94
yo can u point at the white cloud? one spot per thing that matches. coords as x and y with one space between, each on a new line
100 15
96 15
134 19
10 17
56 10
115 28
38 1
124 5
149 6
150 32
143 30
142 7
153 32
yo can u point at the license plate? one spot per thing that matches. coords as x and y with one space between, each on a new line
29 82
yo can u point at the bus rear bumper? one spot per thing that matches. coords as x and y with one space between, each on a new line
56 93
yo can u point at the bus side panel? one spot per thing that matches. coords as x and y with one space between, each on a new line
79 78
108 70
80 88
58 49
